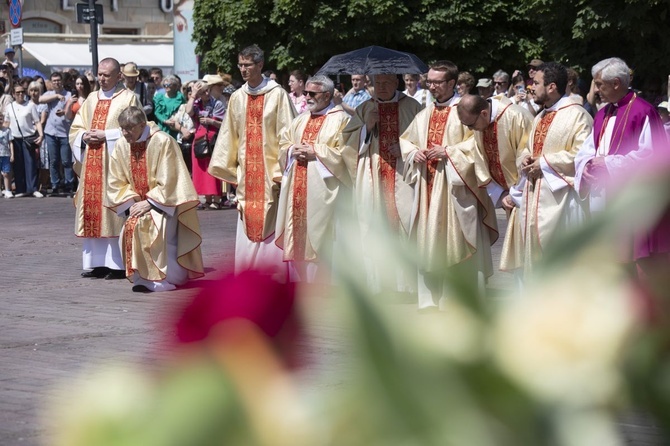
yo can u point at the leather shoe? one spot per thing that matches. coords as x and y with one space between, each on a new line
96 273
141 289
115 274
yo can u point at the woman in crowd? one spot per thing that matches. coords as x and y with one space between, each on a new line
24 122
82 90
414 90
296 85
166 104
182 123
519 94
207 114
34 92
465 83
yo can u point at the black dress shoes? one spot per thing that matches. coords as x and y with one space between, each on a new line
96 273
141 289
115 274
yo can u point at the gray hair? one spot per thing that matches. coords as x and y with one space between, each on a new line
612 68
35 84
172 80
131 116
503 74
325 82
253 52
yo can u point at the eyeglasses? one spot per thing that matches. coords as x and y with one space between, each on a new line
313 93
245 65
436 83
499 83
166 85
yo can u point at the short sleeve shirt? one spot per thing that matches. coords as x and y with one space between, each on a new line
5 138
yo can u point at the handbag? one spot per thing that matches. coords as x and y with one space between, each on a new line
31 140
202 148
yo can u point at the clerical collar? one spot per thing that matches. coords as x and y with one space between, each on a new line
626 99
145 134
560 103
449 102
259 87
109 93
393 99
494 109
324 111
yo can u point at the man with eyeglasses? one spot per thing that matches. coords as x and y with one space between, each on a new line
315 168
93 134
56 132
501 131
150 186
500 82
247 154
380 193
455 221
545 194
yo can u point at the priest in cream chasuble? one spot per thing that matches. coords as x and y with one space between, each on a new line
150 184
316 166
93 134
247 154
545 194
381 195
453 216
501 131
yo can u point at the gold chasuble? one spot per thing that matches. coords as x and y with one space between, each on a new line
503 141
379 186
247 152
310 188
93 219
550 204
453 216
154 169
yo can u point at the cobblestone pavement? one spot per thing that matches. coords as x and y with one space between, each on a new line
53 322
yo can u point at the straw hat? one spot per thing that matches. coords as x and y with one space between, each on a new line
130 70
213 79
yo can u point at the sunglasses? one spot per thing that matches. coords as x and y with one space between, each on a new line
313 93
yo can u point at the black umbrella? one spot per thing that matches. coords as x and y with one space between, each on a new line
374 60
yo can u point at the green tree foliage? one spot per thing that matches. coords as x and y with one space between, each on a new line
479 36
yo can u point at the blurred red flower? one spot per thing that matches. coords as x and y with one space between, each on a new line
251 295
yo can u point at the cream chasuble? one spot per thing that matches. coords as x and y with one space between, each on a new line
154 169
551 204
92 218
379 186
247 153
503 141
453 216
309 189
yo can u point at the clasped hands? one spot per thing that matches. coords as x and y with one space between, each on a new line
434 153
595 170
303 152
94 137
140 208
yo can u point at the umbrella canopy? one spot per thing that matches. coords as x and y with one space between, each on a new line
374 60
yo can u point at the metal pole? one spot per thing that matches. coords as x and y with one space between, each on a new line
20 72
94 36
